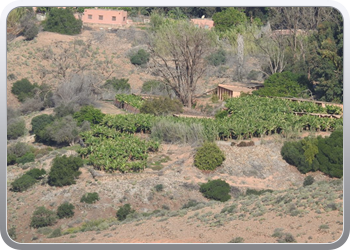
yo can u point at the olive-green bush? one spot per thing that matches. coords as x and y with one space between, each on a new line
64 170
90 198
43 217
65 210
161 106
216 190
209 157
123 211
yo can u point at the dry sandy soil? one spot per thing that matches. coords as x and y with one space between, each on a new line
305 215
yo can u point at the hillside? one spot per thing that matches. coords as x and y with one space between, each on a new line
177 212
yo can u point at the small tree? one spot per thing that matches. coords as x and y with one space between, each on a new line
64 170
23 89
62 21
229 18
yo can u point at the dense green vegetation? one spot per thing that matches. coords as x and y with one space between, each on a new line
123 211
27 180
133 100
209 157
312 154
251 116
110 150
216 190
141 57
64 170
40 122
20 152
62 21
23 89
90 114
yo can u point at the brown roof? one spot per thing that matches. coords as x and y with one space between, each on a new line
234 88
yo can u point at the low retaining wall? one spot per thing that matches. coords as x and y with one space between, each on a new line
127 107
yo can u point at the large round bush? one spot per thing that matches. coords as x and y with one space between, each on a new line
216 190
209 157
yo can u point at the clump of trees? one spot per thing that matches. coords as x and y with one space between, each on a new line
312 154
62 21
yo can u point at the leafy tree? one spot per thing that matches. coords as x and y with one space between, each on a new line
285 84
90 114
228 18
64 170
43 217
216 190
62 21
208 157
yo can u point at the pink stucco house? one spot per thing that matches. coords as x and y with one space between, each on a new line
203 23
102 16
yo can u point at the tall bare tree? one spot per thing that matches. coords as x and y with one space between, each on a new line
178 50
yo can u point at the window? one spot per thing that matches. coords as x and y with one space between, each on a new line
89 16
100 17
123 19
114 18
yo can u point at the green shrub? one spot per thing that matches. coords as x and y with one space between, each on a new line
90 114
36 173
27 180
90 198
29 157
15 128
257 192
43 217
22 183
123 211
161 106
66 210
119 85
286 238
64 170
190 203
31 32
23 89
285 84
11 159
40 122
62 21
308 180
159 187
216 190
324 154
141 57
228 18
208 157
217 58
